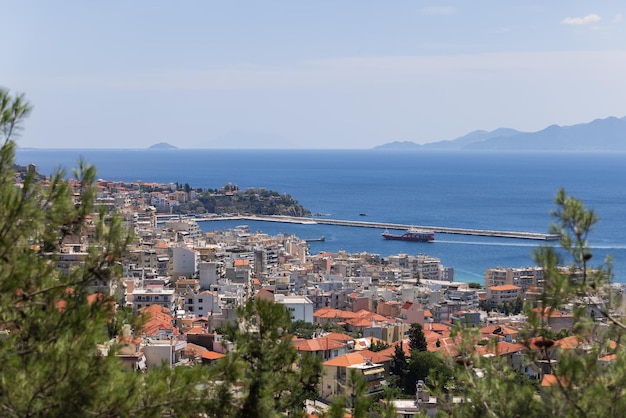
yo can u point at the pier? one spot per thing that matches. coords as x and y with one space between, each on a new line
384 225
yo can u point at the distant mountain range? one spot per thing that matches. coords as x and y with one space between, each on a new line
599 135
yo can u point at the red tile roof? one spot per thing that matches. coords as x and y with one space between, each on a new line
567 342
346 360
212 355
318 344
504 287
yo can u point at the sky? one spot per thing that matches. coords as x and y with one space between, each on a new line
307 74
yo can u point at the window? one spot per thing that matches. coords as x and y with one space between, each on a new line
199 308
200 300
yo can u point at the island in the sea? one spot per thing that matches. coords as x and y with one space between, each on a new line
162 145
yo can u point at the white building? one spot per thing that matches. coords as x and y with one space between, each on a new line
209 273
164 351
184 261
152 295
205 303
187 229
300 307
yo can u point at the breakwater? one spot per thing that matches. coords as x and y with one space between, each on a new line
384 225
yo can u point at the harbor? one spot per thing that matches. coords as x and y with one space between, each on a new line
384 225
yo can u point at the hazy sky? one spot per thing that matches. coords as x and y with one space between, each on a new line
307 74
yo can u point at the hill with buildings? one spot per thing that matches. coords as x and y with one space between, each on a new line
184 199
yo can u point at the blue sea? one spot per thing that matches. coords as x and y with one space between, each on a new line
508 191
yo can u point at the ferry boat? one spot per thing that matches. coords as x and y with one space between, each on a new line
320 239
419 235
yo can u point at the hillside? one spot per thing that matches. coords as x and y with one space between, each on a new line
599 135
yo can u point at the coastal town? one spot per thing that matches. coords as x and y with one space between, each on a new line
359 308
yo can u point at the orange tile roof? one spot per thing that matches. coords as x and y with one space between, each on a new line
154 309
346 360
334 313
431 336
379 356
503 328
568 342
339 336
609 357
438 328
501 348
194 350
212 355
505 287
549 380
365 314
318 344
359 322
448 346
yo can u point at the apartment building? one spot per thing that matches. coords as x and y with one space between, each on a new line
503 293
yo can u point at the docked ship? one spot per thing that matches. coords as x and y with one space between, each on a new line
419 235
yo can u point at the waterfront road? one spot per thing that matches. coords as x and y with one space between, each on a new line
383 225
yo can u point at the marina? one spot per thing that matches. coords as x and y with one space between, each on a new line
384 225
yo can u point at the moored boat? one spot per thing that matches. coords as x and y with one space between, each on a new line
419 235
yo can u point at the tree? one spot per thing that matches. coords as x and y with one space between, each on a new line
399 367
417 341
424 364
303 329
586 381
355 397
378 346
276 378
50 323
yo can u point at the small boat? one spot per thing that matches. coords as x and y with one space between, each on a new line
320 239
418 235
362 214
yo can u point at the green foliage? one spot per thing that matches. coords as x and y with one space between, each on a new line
50 324
378 346
257 201
333 327
427 366
490 388
355 397
507 308
417 341
399 367
587 380
303 329
421 365
275 378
